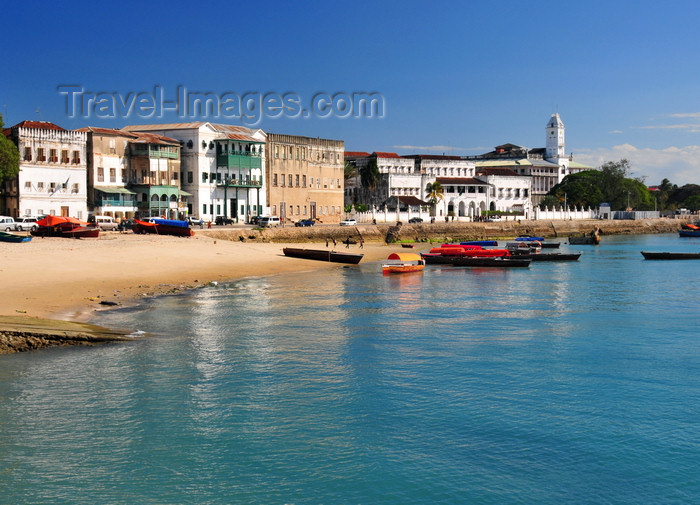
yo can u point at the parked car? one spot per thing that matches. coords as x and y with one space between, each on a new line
415 220
304 222
269 221
195 221
104 222
7 223
254 220
348 222
26 223
222 220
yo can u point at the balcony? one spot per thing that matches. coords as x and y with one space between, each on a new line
243 182
239 160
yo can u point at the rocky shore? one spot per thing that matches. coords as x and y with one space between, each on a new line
18 334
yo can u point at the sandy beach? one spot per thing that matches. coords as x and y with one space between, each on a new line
67 278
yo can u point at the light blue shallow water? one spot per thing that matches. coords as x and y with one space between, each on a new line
562 383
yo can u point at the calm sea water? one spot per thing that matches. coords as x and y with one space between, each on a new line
574 383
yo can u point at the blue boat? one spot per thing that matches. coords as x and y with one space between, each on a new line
480 242
11 237
689 233
528 238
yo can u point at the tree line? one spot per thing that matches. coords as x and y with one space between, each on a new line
612 184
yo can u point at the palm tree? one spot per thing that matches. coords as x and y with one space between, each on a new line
369 177
435 194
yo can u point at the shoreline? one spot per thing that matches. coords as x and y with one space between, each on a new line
68 280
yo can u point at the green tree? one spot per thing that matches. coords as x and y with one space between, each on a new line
9 156
369 175
350 170
435 193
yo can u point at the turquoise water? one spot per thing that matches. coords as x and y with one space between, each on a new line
573 383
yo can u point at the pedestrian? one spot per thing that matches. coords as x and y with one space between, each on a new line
362 243
326 241
334 242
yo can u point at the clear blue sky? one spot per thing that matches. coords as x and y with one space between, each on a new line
456 77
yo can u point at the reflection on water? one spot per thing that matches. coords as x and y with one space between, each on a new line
561 382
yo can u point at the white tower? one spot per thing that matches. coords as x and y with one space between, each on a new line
555 139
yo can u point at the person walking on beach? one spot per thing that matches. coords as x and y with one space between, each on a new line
362 243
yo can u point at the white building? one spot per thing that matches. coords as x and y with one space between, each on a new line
222 168
52 175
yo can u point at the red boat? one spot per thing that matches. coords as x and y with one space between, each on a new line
160 226
68 227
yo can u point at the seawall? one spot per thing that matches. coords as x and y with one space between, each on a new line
444 232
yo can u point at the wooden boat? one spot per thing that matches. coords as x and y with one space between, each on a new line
523 248
399 263
160 226
12 237
689 232
542 243
437 258
583 239
499 262
407 246
323 255
552 256
485 243
67 227
649 255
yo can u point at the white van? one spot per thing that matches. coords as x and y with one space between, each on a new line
7 223
106 222
269 221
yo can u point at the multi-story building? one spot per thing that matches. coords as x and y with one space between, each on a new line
133 174
222 168
398 180
546 166
52 171
305 178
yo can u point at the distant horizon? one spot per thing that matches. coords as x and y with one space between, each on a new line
459 79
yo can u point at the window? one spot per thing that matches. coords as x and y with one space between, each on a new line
204 177
76 157
291 180
40 154
291 210
27 185
100 174
27 154
53 156
282 179
64 156
311 182
76 188
303 154
274 180
304 209
298 210
303 182
204 206
297 183
277 151
52 186
189 177
112 146
112 175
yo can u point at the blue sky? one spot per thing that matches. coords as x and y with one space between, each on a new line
455 77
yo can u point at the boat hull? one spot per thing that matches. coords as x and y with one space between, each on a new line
500 262
689 233
649 255
552 256
323 255
163 228
11 237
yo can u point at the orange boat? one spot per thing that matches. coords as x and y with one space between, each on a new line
399 263
69 227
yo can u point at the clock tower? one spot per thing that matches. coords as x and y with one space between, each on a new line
554 152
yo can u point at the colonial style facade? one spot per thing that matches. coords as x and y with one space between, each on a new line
222 168
133 174
305 178
547 166
52 171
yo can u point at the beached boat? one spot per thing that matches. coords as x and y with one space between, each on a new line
649 255
499 262
161 226
6 236
399 263
67 227
323 255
